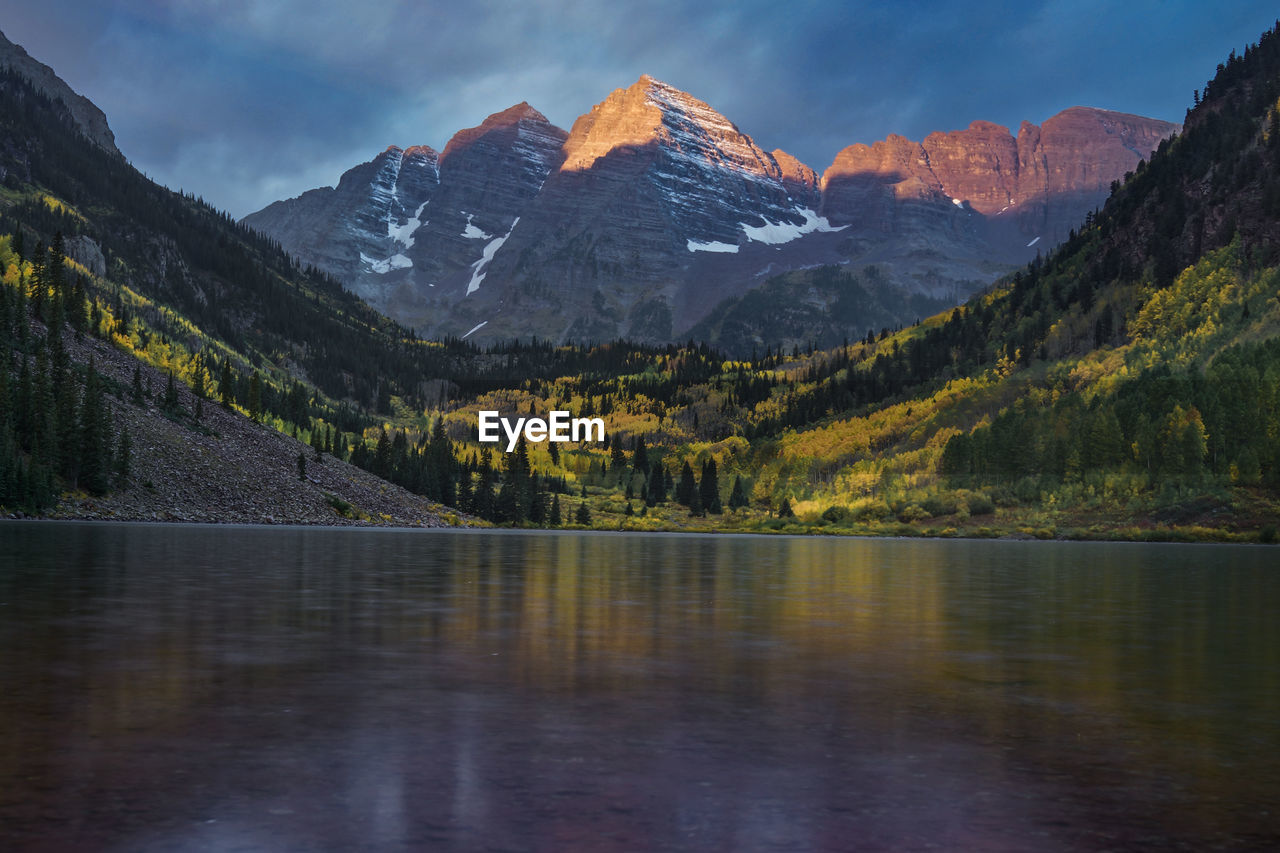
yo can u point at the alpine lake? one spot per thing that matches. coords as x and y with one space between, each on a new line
208 688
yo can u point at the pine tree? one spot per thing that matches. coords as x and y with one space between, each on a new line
170 401
687 489
302 466
709 489
38 281
57 276
137 393
539 505
583 515
77 308
465 498
124 456
382 456
738 497
255 397
483 495
94 446
226 384
555 511
519 478
640 457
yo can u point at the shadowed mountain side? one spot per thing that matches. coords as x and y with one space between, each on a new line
570 267
824 307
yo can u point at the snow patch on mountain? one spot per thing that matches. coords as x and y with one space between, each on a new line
479 267
774 233
395 262
475 329
713 246
403 234
471 232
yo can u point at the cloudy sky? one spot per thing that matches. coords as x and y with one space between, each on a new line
246 102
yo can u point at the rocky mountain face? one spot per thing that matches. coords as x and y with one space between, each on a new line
1040 184
412 220
91 121
655 211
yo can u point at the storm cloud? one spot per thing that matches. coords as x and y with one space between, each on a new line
244 103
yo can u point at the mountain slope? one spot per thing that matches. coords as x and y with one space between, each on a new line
172 285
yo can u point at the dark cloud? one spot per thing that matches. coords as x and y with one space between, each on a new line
245 102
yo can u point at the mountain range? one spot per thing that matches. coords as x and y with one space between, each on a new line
655 215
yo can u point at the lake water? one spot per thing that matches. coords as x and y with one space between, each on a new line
220 688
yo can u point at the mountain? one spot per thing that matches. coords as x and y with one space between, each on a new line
414 220
655 215
87 117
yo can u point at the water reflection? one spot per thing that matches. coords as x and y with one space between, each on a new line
275 689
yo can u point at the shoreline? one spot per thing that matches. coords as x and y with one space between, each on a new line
1170 536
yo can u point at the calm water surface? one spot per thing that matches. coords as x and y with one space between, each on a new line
201 688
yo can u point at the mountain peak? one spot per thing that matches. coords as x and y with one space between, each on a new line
504 123
513 114
653 113
85 113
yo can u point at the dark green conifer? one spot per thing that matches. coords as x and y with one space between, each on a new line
226 384
640 457
136 393
687 488
382 456
709 489
124 456
94 467
170 401
255 397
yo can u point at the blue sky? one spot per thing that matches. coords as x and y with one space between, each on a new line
247 102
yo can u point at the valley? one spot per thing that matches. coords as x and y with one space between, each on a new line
1123 383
